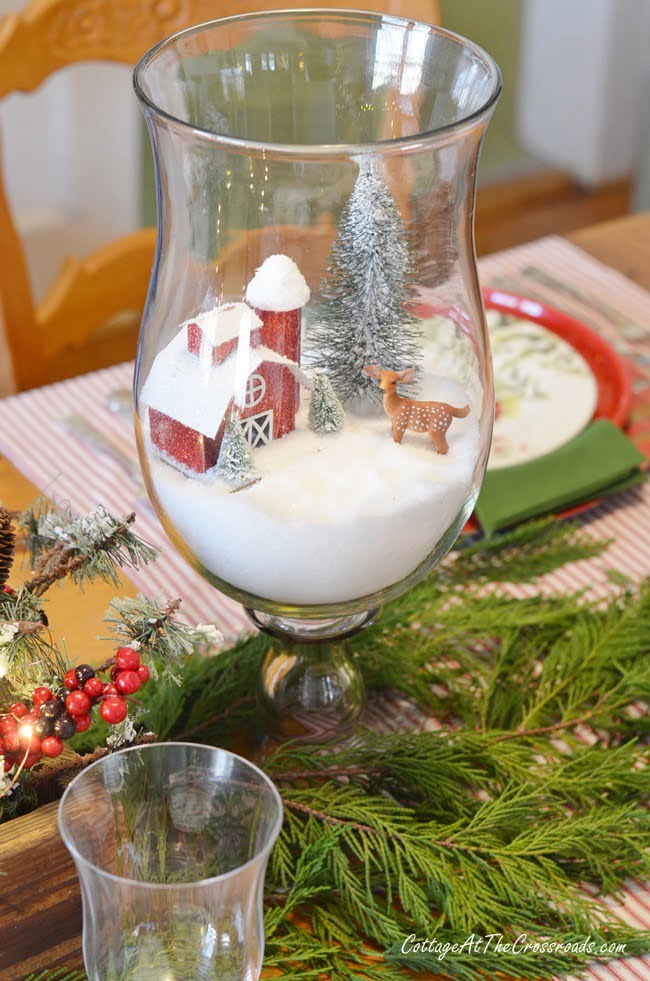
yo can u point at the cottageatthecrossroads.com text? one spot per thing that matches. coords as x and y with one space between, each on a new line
494 943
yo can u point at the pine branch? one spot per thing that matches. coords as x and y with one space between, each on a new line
82 548
28 655
152 626
53 566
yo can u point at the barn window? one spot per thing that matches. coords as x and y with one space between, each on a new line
255 391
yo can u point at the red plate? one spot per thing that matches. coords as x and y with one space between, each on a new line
612 381
614 390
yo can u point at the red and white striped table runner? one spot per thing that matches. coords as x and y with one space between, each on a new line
61 465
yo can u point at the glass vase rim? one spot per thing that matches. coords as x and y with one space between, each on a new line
259 856
386 146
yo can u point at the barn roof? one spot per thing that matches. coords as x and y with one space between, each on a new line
225 322
197 393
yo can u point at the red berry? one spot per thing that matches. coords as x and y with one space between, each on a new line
127 659
77 703
41 695
110 690
30 718
18 710
32 759
94 687
82 722
114 710
127 682
11 742
51 746
8 590
29 743
143 673
8 764
7 724
70 679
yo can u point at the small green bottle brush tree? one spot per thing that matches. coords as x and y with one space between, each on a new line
44 699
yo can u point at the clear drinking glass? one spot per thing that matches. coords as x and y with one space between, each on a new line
316 179
171 843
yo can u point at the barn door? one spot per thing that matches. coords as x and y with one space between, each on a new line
258 429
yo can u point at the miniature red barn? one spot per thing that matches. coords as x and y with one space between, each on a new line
232 356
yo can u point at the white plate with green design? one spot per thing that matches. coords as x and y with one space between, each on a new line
546 392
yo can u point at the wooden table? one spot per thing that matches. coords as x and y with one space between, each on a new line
40 910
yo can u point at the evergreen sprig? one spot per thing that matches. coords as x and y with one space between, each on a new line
86 547
152 626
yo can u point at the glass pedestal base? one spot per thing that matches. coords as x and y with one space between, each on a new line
310 688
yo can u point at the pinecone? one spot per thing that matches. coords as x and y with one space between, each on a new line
7 545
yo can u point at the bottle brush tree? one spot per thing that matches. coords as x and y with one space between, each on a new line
326 413
235 463
366 314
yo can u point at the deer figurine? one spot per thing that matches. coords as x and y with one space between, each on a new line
433 418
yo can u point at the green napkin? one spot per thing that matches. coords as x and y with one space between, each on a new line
601 460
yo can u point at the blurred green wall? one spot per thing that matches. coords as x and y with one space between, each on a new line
496 26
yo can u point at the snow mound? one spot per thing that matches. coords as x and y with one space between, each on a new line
278 285
334 517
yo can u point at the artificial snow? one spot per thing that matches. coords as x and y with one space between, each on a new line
335 517
278 285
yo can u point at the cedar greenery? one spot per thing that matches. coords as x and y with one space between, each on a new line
532 789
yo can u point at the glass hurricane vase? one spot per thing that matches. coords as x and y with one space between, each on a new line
314 395
171 843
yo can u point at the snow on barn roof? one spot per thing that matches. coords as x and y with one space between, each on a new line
197 393
225 322
278 285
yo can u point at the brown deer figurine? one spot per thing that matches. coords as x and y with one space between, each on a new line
433 418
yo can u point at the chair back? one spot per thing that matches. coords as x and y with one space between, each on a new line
90 316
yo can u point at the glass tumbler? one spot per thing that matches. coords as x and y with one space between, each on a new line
171 843
314 394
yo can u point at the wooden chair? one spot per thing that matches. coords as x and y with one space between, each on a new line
90 317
